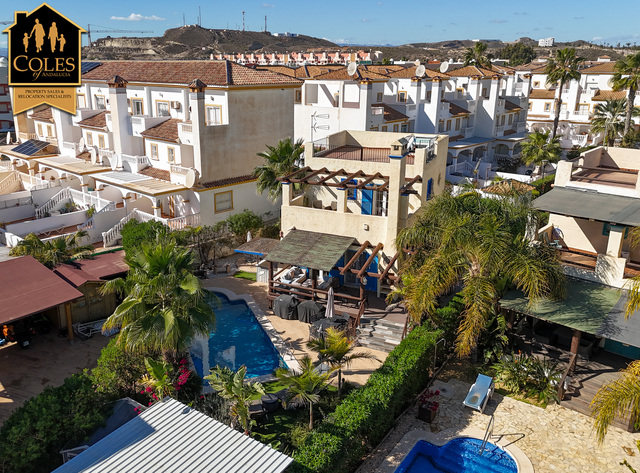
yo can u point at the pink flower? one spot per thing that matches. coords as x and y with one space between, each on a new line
183 361
149 389
150 403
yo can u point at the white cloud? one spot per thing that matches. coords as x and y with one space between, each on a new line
268 5
596 38
364 20
137 17
497 21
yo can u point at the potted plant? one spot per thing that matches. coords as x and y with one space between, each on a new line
427 406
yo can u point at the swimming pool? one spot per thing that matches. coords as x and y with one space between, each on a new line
460 455
237 340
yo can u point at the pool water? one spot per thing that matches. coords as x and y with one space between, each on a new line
238 339
459 455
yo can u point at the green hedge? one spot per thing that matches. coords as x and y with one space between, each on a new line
363 418
544 185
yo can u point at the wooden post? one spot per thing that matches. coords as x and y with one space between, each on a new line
67 310
575 341
270 284
312 272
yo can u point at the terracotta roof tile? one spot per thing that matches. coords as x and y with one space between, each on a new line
44 114
212 73
510 106
604 67
86 155
469 71
285 70
390 114
542 94
97 121
308 72
363 72
602 95
165 131
229 181
156 173
409 72
456 109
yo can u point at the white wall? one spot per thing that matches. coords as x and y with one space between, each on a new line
244 197
48 223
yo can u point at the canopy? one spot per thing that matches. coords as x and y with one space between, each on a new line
310 249
257 246
589 307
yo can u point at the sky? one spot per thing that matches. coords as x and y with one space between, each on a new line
364 22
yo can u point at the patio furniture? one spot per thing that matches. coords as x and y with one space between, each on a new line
480 393
310 311
285 307
270 402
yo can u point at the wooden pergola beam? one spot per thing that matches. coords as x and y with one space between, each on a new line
364 183
330 176
386 270
352 261
295 173
375 251
352 175
406 189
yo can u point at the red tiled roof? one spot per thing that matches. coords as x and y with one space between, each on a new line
308 72
99 268
229 181
409 72
212 73
542 94
602 68
456 109
165 131
510 106
96 121
603 95
43 114
156 173
390 114
469 71
363 72
86 155
285 70
28 287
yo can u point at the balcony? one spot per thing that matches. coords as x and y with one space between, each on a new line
134 163
468 132
185 133
142 123
501 129
521 127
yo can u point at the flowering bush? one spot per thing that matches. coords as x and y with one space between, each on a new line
426 400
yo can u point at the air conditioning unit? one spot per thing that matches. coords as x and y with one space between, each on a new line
175 105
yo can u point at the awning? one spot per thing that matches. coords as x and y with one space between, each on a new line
592 205
28 287
589 307
310 249
257 246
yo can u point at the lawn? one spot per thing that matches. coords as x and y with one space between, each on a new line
245 275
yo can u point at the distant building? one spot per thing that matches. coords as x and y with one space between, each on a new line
286 35
546 42
6 116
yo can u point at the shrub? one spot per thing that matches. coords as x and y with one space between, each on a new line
31 439
214 406
243 222
544 185
529 375
135 233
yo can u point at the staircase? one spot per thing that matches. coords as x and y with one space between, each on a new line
11 183
63 196
380 334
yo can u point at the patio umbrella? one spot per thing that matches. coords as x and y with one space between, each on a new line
331 310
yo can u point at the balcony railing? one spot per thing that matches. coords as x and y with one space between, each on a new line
134 163
27 136
185 133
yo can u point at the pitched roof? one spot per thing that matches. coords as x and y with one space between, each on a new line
409 72
165 131
510 106
28 287
96 121
363 72
602 95
258 246
285 70
390 114
228 181
99 268
601 68
456 109
156 173
469 71
310 71
212 73
44 114
542 94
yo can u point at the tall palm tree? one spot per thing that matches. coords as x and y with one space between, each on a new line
617 398
477 56
627 76
337 350
53 252
235 388
478 243
539 149
280 160
562 69
608 119
165 305
304 387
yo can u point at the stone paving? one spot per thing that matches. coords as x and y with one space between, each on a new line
555 439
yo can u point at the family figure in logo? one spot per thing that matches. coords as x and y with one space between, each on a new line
38 31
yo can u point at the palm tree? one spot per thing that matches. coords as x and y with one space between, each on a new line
608 119
617 398
476 55
53 252
561 70
232 386
165 305
304 387
539 149
627 76
478 243
280 160
337 350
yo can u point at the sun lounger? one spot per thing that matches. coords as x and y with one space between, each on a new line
480 393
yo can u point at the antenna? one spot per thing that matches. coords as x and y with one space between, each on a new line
352 68
420 70
242 20
184 21
444 67
199 16
265 23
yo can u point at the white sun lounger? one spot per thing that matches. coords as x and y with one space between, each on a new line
480 393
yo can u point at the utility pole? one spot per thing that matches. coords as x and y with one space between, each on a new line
243 20
199 17
265 23
184 22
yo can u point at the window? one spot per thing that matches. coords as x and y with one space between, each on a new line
404 128
583 109
530 105
607 227
484 92
223 201
441 126
298 96
81 101
510 118
502 118
136 107
162 108
384 128
428 96
154 151
379 97
49 131
402 96
100 102
460 92
101 141
336 99
536 84
430 189
89 138
457 124
352 194
40 129
373 128
214 115
381 203
547 107
395 127
171 154
448 125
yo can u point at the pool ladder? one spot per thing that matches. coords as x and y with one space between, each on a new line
487 434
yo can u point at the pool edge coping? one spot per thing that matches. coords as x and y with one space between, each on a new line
410 439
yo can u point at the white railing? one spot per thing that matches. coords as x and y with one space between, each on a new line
177 169
9 181
500 130
6 165
137 160
106 153
179 223
185 127
36 183
46 208
27 136
114 234
9 203
71 146
51 140
78 197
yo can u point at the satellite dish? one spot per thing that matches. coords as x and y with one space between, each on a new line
94 155
352 68
444 67
190 178
8 137
114 162
81 145
420 70
416 62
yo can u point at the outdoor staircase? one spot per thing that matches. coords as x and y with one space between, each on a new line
10 183
380 334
